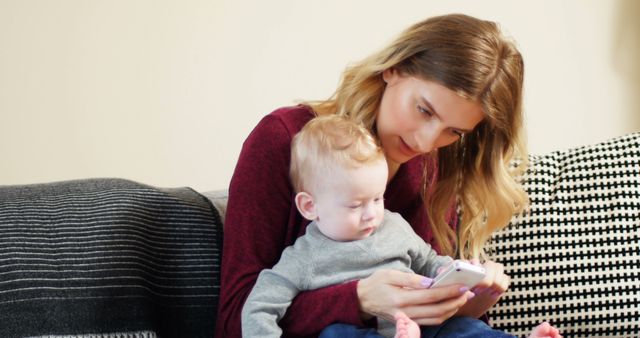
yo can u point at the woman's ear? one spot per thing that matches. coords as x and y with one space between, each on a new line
389 75
306 206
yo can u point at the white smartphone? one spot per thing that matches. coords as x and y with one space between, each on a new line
460 272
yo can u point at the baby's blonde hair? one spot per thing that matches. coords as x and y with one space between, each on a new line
326 143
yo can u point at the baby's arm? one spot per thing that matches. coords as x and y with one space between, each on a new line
270 297
424 259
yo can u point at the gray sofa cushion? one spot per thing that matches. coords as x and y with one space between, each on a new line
102 257
574 257
219 200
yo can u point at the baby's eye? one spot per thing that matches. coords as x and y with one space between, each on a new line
355 206
378 199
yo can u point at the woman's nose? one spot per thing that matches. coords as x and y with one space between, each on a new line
433 135
426 138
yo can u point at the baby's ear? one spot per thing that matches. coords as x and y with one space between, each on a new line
304 203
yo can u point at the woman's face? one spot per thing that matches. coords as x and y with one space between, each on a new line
417 116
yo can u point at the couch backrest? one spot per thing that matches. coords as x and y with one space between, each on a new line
219 200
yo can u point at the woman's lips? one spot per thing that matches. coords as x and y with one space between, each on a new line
406 149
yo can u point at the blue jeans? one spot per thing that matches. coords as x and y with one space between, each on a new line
455 327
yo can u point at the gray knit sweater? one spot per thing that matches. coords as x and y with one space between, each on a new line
315 261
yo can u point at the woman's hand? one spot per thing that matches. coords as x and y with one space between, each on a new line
488 291
386 292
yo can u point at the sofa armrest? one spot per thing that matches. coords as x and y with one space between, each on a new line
107 257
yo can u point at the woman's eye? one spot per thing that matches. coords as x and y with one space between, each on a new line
425 111
457 132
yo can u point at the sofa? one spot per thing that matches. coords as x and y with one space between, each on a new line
111 257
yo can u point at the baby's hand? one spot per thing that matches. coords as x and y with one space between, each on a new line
441 269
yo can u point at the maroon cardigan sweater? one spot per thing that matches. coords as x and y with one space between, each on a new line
262 220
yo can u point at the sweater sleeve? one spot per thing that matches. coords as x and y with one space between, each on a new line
258 228
272 294
425 260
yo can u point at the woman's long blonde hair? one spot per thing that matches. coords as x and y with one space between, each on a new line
472 58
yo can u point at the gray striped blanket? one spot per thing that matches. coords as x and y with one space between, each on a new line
107 257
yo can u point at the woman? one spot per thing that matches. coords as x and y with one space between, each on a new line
444 100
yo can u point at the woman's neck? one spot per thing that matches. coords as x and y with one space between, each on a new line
393 169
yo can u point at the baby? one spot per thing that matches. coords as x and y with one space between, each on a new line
340 174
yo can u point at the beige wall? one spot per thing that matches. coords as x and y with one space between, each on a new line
164 92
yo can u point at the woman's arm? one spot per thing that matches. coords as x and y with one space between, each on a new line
386 292
256 221
488 291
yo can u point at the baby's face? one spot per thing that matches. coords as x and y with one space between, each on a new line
350 204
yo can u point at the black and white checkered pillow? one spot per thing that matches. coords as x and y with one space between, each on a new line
574 258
